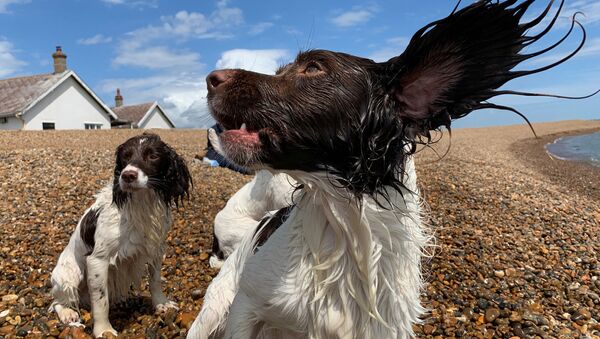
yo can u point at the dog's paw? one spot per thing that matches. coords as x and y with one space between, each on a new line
67 315
77 324
105 332
215 262
164 307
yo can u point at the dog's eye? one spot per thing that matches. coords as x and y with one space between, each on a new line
312 68
153 157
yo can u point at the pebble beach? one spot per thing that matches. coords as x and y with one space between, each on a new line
516 251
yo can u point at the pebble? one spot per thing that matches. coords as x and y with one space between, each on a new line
428 329
515 316
186 319
581 316
197 294
565 333
9 297
491 314
14 321
23 331
4 330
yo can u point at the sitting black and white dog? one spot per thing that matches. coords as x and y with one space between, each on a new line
121 233
344 260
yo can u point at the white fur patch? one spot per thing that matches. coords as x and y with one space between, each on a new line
142 178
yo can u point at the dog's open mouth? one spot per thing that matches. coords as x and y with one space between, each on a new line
242 143
243 136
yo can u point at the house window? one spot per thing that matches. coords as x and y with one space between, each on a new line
48 125
3 120
92 126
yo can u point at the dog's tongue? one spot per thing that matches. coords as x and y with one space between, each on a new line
240 136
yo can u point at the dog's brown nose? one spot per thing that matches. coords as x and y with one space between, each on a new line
129 176
217 78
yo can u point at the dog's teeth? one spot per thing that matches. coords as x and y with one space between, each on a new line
243 127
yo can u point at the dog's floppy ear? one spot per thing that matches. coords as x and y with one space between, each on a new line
119 196
179 178
452 66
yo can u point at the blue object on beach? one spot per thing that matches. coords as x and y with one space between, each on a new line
210 162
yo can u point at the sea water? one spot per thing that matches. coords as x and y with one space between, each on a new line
579 148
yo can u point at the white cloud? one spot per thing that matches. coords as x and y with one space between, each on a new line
9 64
5 3
133 3
591 48
144 47
179 81
352 18
182 95
393 47
158 57
95 40
186 25
260 27
590 9
258 60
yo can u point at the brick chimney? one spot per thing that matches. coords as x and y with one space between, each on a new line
118 99
60 60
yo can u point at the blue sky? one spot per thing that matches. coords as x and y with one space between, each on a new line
162 49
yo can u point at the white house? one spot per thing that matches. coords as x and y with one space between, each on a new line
146 115
60 100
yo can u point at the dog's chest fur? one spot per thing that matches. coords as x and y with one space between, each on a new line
131 237
340 269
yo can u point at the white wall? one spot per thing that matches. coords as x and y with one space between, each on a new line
156 120
11 123
69 106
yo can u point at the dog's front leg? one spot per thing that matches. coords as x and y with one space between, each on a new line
159 300
221 292
97 270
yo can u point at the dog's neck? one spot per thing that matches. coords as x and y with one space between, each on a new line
146 212
364 255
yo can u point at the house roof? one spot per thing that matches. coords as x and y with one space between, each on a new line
18 95
133 113
139 113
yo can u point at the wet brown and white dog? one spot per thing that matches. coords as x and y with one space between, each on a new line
344 261
121 233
